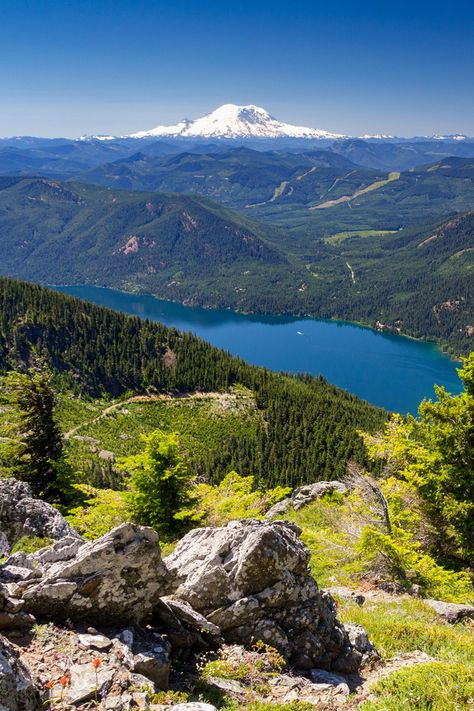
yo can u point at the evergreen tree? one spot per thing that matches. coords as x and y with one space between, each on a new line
160 484
435 453
38 456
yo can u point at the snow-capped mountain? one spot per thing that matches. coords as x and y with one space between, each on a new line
232 121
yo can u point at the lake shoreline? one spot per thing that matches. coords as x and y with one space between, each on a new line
389 370
419 339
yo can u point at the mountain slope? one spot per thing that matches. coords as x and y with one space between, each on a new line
316 193
419 281
416 280
309 428
232 121
388 155
74 233
236 177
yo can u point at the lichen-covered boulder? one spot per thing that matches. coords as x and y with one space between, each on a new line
23 515
17 691
304 495
115 579
250 578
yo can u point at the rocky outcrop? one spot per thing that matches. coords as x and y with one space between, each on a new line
116 579
17 691
244 582
23 515
304 495
360 642
250 579
450 611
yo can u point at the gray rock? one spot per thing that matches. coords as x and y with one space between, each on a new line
16 620
185 613
196 706
229 686
105 454
17 691
360 650
140 682
60 551
359 638
85 684
279 509
336 682
154 664
15 574
94 641
342 593
23 515
20 560
450 611
304 495
320 676
115 702
4 545
250 578
326 688
113 580
141 699
147 655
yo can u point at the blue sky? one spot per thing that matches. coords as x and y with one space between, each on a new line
97 66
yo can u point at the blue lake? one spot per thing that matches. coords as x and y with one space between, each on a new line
387 370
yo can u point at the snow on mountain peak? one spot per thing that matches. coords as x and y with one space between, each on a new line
232 121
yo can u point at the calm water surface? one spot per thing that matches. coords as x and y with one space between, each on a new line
385 369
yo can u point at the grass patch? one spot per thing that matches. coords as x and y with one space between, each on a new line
433 686
341 236
30 544
406 625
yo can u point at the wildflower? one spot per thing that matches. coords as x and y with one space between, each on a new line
49 684
64 680
97 663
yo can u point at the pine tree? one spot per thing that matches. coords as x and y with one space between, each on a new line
160 484
38 456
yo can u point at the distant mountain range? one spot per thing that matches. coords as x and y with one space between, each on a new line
368 230
233 122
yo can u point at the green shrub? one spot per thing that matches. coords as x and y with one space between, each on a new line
30 544
234 498
435 453
406 563
330 528
227 669
166 698
434 686
104 509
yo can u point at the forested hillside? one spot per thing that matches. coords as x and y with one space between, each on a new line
190 249
309 428
71 233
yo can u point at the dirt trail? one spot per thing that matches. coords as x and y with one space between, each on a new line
362 685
